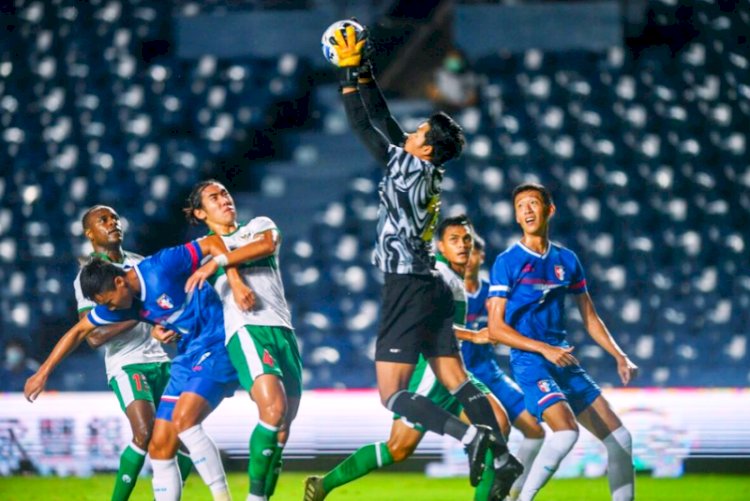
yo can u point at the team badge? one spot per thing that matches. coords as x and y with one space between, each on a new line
268 359
165 302
544 385
560 272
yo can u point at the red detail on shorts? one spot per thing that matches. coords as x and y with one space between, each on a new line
268 359
578 285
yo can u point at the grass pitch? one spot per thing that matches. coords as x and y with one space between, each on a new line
385 487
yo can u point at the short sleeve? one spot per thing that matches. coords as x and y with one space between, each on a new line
578 280
180 260
82 303
261 224
499 278
101 315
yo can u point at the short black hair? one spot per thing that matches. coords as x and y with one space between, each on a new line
98 276
195 200
85 217
546 195
446 138
460 220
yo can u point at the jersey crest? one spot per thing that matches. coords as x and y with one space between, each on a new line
165 302
560 272
543 385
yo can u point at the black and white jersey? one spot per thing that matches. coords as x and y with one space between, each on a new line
408 214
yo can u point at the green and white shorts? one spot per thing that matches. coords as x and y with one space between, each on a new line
424 382
140 382
258 349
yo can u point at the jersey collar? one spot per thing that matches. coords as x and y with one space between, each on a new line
105 257
440 258
239 226
535 254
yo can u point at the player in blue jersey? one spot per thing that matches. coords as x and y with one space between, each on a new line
481 360
202 375
526 305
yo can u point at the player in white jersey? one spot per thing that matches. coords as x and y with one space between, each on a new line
260 341
137 366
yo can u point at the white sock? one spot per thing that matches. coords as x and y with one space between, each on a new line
556 447
525 454
253 497
166 481
620 472
207 461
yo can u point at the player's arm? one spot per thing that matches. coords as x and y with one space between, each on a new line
66 345
104 333
501 332
599 332
482 336
213 245
377 107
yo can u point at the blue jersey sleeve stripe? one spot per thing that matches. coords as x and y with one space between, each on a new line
195 254
96 319
499 288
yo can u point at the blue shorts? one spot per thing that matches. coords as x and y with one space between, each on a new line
544 384
480 361
211 375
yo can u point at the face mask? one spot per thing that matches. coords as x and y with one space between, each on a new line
13 356
453 64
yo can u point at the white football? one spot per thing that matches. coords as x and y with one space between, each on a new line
327 41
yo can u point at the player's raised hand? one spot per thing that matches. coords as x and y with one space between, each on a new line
34 386
626 369
349 47
199 277
562 357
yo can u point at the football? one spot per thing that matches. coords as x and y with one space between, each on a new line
327 42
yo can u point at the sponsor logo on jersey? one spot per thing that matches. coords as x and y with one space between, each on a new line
560 272
165 302
544 385
268 359
528 268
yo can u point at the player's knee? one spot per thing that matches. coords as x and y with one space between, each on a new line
142 436
159 446
183 421
273 412
400 450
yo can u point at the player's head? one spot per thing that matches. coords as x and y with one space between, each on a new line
101 225
105 284
438 140
455 239
476 258
210 203
534 207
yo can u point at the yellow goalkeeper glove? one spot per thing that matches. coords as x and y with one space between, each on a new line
349 48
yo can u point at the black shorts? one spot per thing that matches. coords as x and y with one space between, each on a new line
416 317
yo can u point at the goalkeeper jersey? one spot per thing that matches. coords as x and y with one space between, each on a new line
135 346
262 276
407 214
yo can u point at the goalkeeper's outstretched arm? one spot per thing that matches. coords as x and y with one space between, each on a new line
377 107
359 120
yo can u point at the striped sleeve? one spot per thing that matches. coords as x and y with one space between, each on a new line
499 278
101 315
578 280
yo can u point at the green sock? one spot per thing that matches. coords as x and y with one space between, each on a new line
262 445
274 471
185 464
363 461
131 462
482 492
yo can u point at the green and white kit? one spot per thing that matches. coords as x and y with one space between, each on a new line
262 340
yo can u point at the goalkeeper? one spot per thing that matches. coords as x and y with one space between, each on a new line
417 307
